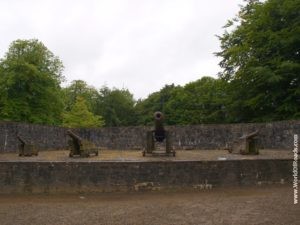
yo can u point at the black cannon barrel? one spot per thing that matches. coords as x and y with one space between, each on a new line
74 136
159 130
21 139
250 135
253 134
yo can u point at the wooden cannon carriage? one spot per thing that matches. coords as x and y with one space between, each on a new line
246 144
81 147
26 148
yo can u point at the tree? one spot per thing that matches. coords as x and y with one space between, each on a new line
80 116
79 88
30 77
116 106
201 101
260 61
156 101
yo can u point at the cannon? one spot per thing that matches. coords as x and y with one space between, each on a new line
246 144
26 148
81 147
158 136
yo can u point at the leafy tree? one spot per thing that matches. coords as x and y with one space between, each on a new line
260 61
116 106
30 77
156 101
79 88
201 101
80 116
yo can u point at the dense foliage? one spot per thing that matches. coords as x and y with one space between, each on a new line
116 106
79 88
30 77
260 61
201 101
260 81
80 116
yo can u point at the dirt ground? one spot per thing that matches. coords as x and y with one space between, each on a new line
135 155
250 205
264 205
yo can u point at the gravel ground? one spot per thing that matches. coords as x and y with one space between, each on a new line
250 206
134 155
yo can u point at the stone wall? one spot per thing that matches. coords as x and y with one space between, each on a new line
46 137
275 135
79 177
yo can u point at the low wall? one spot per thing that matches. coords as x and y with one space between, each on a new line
275 135
77 177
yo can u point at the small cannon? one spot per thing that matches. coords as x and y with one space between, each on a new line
26 148
158 135
246 144
81 147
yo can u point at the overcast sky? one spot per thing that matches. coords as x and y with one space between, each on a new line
136 44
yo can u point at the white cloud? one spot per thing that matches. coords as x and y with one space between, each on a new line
138 44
